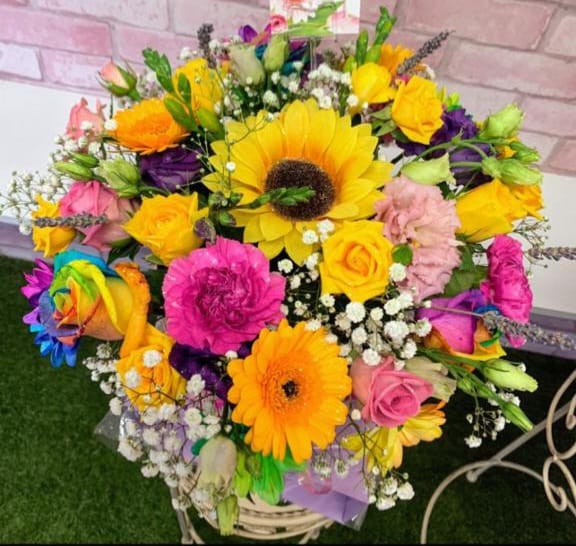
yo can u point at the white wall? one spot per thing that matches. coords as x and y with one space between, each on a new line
30 118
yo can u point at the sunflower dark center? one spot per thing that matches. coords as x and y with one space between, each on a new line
290 389
297 173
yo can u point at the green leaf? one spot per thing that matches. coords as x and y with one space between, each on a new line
184 89
161 66
402 254
123 248
268 484
179 113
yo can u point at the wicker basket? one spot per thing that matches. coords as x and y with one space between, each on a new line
260 521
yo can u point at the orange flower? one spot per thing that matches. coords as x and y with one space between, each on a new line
289 391
147 127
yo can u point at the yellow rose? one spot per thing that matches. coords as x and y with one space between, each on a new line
166 225
488 210
371 84
356 261
530 197
146 374
204 83
417 110
50 240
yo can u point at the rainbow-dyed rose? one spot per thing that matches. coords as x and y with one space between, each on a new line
221 296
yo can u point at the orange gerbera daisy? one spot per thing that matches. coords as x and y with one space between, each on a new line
147 127
289 391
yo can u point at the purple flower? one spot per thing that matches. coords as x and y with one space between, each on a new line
38 282
190 361
171 169
247 33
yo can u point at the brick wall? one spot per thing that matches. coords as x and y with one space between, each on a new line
500 50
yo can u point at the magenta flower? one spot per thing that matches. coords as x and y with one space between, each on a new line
221 296
507 286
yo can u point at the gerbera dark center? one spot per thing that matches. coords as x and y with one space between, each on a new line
296 173
290 389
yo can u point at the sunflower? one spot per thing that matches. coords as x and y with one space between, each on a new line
147 127
289 391
304 146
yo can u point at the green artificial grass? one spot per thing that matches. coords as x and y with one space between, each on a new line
60 484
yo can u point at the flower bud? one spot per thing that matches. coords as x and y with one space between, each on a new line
74 170
118 81
524 153
246 65
435 373
120 175
216 465
506 375
516 416
430 172
276 53
503 124
227 512
511 171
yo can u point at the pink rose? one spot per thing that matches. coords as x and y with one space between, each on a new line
221 296
79 114
507 286
390 397
96 199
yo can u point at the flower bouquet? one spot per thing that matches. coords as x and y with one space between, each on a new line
294 257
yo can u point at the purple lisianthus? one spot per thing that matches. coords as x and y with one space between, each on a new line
172 169
453 319
456 122
247 33
190 361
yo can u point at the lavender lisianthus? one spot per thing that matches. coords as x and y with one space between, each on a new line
172 169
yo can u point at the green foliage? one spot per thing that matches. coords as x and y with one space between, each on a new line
467 275
160 65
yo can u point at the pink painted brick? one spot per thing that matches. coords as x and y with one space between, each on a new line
564 158
543 143
13 2
130 42
479 101
550 116
48 30
224 15
524 71
562 39
370 11
505 22
72 69
142 13
19 61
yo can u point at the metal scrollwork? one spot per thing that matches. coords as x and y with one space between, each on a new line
561 498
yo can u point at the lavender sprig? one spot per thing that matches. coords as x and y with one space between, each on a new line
531 332
75 221
555 253
204 34
426 49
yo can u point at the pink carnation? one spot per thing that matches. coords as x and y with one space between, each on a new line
96 199
390 397
430 270
414 213
221 296
506 285
419 215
